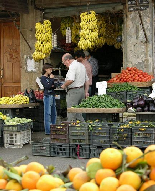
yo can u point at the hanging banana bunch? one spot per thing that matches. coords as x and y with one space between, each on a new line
65 23
89 31
101 24
43 45
75 32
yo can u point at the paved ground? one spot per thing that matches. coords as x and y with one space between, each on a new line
10 155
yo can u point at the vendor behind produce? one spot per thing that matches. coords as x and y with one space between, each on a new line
76 84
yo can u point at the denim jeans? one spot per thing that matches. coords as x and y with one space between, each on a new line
50 113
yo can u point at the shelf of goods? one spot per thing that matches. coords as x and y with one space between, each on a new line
138 84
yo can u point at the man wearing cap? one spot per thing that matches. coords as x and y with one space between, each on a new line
94 63
76 84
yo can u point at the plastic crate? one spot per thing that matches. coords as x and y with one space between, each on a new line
41 148
60 150
143 136
132 94
123 136
78 133
59 133
100 135
145 117
79 151
95 150
13 139
18 127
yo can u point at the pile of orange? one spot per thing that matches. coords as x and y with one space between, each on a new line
106 178
100 174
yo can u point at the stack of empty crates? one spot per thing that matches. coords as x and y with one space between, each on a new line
15 136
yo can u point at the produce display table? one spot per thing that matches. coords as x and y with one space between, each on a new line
14 109
108 114
96 110
138 84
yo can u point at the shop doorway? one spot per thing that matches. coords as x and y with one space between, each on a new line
10 74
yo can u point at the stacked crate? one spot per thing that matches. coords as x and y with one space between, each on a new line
59 140
15 136
79 139
100 138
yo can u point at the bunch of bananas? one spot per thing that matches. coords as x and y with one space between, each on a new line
75 32
43 45
18 99
101 30
113 30
65 22
89 31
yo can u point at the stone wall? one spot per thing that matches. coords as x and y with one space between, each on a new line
136 51
27 27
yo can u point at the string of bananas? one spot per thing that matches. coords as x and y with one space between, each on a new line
43 45
89 30
17 99
65 22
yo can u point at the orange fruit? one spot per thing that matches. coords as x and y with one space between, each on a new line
133 153
34 190
23 167
152 174
125 187
92 160
104 173
111 158
109 184
150 157
93 180
18 169
46 183
30 179
130 178
2 174
3 183
73 172
147 184
13 185
59 189
89 186
58 182
80 179
35 166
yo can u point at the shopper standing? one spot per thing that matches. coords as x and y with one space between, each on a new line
80 57
94 63
47 80
76 84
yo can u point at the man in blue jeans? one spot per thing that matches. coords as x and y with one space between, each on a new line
76 84
47 81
